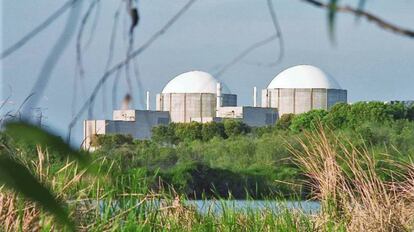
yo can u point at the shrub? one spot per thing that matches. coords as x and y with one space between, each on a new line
285 121
164 134
213 129
113 140
188 131
308 120
235 127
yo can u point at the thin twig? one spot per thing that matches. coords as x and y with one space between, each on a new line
369 16
37 29
245 53
119 65
52 59
278 31
278 35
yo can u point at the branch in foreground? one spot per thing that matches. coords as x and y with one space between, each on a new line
245 53
38 29
278 31
121 64
369 16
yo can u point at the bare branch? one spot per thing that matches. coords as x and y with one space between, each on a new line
37 29
53 57
278 32
111 51
79 62
244 53
369 16
121 64
94 25
278 35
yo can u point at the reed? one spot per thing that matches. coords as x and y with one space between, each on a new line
346 179
105 202
353 196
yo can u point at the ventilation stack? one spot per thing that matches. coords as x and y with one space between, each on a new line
218 102
148 100
255 96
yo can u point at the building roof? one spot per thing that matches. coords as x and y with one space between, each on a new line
194 82
303 76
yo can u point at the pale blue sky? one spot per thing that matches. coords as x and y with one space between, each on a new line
371 63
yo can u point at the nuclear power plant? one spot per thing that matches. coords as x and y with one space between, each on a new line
302 88
197 96
194 95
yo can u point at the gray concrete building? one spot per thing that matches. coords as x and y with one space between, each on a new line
198 96
302 88
252 116
137 123
194 94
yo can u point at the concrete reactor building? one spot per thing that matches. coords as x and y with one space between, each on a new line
197 96
302 88
193 95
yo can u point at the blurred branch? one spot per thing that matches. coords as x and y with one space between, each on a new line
121 64
245 53
278 32
369 16
37 29
111 52
52 59
84 21
278 35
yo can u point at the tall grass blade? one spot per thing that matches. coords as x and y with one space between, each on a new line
30 134
17 178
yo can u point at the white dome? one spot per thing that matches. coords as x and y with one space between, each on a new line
194 82
303 77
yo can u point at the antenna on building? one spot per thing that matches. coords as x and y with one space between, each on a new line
218 102
255 96
148 100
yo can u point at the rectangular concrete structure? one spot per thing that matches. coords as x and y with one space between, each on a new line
137 123
183 107
298 101
252 116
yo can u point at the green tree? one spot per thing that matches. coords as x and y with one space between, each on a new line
213 129
113 140
188 131
164 134
235 127
338 116
308 120
284 121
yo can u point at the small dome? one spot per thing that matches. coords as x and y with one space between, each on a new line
303 77
194 82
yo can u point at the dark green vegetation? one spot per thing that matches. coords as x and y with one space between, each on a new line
232 159
361 160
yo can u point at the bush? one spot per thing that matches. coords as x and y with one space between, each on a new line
235 128
308 120
164 134
285 121
213 129
188 131
112 140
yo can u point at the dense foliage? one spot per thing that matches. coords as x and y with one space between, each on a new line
212 160
218 159
231 159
